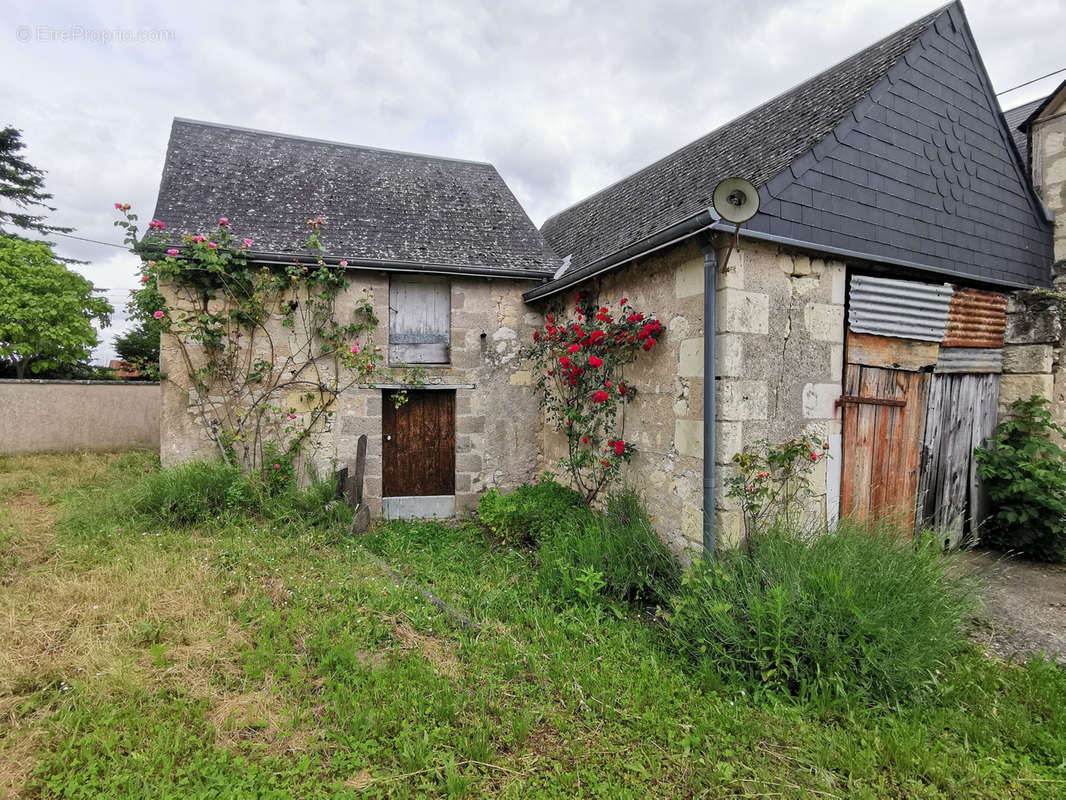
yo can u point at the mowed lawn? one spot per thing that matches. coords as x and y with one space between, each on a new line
258 659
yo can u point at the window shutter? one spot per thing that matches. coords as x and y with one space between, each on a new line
420 319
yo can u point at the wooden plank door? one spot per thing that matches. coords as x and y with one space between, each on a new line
418 444
884 419
963 411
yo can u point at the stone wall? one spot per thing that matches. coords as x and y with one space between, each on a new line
495 408
44 415
1048 150
780 334
1034 356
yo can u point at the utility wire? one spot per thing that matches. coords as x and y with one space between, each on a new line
1034 80
83 239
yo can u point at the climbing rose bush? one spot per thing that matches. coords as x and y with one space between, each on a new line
579 367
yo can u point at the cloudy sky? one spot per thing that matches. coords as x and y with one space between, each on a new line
563 97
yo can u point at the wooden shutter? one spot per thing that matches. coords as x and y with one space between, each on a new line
420 319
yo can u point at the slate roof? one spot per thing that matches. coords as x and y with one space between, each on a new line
378 205
1015 117
898 155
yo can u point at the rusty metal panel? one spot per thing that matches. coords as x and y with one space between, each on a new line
970 359
976 319
904 309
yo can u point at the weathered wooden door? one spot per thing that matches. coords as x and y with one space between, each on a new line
418 444
963 410
884 418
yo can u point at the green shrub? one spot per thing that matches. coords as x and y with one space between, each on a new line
1025 475
614 556
204 490
530 512
194 492
863 613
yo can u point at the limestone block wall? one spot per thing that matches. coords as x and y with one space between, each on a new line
1048 149
495 407
780 334
1033 352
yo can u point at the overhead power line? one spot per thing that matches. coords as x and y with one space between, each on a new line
84 239
1034 80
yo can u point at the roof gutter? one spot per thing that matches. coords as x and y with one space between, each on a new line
663 238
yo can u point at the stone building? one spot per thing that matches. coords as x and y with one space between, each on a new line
866 301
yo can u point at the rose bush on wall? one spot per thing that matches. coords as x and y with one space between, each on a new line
261 401
579 368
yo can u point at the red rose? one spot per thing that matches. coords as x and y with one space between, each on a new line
623 301
573 348
564 361
599 396
595 361
596 337
648 345
584 440
622 389
619 447
536 336
634 318
607 384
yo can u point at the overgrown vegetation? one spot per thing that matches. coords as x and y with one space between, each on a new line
862 613
1024 472
235 657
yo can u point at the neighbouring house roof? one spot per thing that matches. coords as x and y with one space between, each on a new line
898 155
1015 118
1039 108
381 208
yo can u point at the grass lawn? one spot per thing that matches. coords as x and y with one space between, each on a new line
241 659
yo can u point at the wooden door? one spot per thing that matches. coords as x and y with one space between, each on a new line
418 444
963 411
884 419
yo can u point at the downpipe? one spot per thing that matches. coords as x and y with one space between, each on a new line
710 426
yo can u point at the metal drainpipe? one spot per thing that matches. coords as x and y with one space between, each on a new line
710 427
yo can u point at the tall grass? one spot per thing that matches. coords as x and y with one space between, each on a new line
617 551
864 612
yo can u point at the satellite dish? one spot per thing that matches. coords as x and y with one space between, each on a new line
735 200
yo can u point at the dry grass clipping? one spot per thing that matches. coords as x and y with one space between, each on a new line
260 717
60 623
440 653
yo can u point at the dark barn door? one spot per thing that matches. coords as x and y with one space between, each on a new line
418 444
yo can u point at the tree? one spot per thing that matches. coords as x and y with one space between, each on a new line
139 347
22 186
46 311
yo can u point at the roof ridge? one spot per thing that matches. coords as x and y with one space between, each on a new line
927 20
294 137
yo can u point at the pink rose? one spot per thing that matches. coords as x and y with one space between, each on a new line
247 242
344 263
151 263
118 206
198 238
144 279
355 349
158 315
223 221
172 252
277 466
212 245
292 416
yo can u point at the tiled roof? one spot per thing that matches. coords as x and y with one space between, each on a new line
378 205
899 155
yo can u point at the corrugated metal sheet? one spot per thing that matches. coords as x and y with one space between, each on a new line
976 319
969 359
905 309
